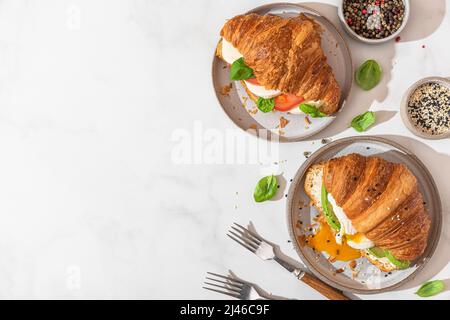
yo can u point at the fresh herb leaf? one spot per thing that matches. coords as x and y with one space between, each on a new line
363 121
265 189
311 110
328 210
265 105
368 75
401 264
240 71
430 288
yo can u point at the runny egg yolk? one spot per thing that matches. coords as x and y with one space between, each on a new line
325 241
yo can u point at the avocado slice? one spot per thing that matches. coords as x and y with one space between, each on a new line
328 210
398 263
377 252
381 253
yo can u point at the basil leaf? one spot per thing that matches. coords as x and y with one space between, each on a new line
312 110
265 105
363 121
240 71
265 189
368 75
430 288
331 218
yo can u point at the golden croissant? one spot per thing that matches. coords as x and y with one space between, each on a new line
285 55
380 198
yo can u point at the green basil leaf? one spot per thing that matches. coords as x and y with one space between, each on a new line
265 105
265 189
363 121
240 71
430 288
311 110
328 212
401 264
368 75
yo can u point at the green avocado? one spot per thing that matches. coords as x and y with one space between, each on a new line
377 252
399 263
380 253
328 211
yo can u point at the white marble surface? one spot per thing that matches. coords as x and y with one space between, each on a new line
91 203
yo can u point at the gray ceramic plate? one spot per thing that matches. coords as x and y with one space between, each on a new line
238 106
369 279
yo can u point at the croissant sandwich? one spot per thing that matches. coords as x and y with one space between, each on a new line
372 204
280 62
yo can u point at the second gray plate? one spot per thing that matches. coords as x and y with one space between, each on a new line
300 214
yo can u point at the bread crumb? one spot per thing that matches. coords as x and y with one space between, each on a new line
352 265
307 121
283 122
253 111
225 90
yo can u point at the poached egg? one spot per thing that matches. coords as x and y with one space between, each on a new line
353 238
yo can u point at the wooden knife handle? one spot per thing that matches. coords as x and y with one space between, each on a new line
325 289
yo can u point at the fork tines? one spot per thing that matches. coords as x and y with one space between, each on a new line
230 286
244 237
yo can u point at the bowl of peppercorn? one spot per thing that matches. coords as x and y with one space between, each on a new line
425 108
373 21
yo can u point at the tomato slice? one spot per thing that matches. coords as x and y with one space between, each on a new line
286 102
253 81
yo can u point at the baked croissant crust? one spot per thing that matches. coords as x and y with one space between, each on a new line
286 54
383 201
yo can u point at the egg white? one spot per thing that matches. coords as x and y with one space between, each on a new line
361 245
347 228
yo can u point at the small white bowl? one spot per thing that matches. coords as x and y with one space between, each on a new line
404 108
356 36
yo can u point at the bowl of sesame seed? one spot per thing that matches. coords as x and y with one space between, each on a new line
373 21
425 108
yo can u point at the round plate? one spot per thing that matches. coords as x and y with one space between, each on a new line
301 215
241 109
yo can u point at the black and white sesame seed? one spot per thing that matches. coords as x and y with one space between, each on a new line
429 108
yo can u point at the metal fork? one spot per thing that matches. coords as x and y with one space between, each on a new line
233 287
266 251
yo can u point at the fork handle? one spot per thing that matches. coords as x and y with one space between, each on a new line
325 289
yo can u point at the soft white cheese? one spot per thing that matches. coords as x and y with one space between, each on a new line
262 92
384 261
229 53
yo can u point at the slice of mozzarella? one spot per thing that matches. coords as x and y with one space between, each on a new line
229 53
262 92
